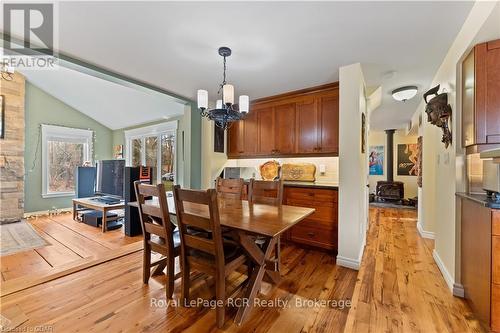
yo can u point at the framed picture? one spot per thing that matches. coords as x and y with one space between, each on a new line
407 159
2 117
218 139
118 152
363 133
376 160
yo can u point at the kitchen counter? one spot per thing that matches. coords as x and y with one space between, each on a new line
481 199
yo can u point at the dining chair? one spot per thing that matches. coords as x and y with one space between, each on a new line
213 255
229 188
268 193
159 233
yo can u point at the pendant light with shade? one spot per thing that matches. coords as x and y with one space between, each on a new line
226 110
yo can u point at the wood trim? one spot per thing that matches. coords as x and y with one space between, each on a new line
480 114
495 222
306 91
494 44
22 283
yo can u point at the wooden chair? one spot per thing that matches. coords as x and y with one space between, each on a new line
158 231
265 192
268 193
229 188
212 255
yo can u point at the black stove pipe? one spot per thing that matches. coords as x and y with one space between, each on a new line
390 154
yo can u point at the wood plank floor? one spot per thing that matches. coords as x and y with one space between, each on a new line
398 289
69 242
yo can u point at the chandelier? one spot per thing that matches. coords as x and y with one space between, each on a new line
225 111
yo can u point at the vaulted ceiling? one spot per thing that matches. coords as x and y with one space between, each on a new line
277 46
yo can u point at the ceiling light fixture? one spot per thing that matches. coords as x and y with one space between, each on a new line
404 93
226 111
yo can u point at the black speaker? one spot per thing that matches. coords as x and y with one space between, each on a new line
132 221
85 180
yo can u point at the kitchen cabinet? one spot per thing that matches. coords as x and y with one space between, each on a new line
481 97
300 123
480 261
321 228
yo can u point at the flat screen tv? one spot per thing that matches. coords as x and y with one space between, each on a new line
110 178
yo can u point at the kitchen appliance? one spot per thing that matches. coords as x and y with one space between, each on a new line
491 170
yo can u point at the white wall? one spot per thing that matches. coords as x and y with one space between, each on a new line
353 166
443 169
211 163
379 138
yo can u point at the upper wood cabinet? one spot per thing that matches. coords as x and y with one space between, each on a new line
299 123
481 97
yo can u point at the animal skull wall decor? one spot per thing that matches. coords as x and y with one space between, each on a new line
438 112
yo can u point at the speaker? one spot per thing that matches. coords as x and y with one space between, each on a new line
85 180
132 220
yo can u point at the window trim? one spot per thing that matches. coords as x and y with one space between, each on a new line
59 132
149 131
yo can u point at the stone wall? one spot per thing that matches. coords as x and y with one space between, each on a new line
12 150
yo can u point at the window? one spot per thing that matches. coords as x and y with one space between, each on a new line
63 149
153 146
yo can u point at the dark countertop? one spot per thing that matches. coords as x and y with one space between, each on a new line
481 199
318 184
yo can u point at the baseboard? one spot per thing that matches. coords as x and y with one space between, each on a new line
348 262
423 233
48 212
458 290
446 275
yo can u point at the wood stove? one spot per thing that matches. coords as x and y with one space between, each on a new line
389 189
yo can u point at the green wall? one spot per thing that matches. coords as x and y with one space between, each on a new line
42 108
195 147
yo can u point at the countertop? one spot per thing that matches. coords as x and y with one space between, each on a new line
317 184
481 199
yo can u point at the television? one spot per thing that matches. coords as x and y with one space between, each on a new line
110 178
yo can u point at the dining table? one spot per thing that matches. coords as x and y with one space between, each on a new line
247 221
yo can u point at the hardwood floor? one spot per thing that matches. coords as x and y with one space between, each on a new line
69 241
398 289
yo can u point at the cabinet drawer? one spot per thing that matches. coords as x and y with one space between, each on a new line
495 222
324 212
309 194
323 224
495 308
322 237
495 259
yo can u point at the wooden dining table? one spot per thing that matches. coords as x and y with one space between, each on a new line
246 221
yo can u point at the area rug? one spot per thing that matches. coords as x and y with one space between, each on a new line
19 236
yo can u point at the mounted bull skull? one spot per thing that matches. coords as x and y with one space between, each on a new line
438 112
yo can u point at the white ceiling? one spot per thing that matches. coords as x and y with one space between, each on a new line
111 104
277 46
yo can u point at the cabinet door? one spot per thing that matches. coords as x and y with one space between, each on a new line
487 93
468 137
307 126
285 128
235 139
250 134
329 129
265 123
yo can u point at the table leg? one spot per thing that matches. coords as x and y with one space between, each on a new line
259 257
74 211
104 220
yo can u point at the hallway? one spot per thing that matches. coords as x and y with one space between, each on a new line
399 287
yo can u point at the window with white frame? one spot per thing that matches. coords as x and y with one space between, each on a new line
63 149
153 146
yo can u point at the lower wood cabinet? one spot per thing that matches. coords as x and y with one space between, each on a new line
321 228
480 261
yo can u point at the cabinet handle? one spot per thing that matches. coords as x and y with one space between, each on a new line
310 234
